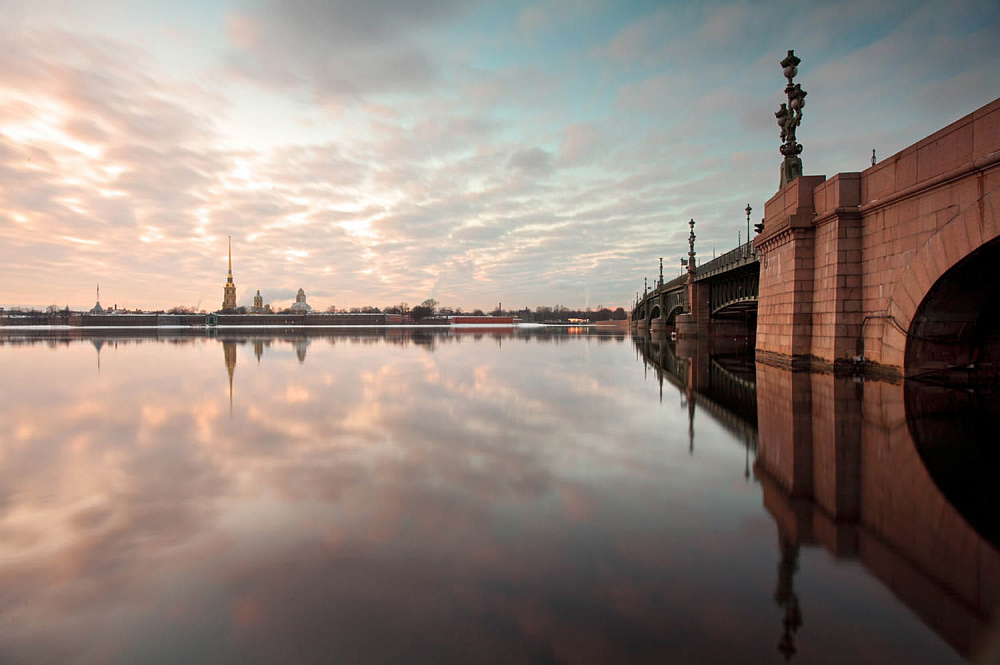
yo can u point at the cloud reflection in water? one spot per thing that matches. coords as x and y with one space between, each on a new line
463 499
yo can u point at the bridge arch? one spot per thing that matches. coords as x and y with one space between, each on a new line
673 312
947 297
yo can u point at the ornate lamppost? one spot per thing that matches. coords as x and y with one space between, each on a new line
789 116
661 271
748 209
691 248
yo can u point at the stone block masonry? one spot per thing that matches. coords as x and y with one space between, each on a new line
848 262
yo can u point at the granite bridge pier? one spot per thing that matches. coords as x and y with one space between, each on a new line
893 268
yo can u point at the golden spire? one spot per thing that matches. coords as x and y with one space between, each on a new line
229 291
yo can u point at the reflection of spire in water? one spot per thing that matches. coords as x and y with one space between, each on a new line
258 350
300 348
98 343
229 350
785 596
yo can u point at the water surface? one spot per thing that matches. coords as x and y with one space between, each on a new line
429 497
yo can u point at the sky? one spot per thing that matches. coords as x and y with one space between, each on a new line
476 153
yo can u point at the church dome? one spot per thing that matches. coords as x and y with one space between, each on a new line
300 304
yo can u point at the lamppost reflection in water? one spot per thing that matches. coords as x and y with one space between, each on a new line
717 378
785 596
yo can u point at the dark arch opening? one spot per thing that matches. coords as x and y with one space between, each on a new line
953 409
955 333
672 314
655 312
957 434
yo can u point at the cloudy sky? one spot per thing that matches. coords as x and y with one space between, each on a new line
374 152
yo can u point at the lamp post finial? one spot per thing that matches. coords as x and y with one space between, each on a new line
789 117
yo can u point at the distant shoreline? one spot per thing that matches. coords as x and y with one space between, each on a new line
76 320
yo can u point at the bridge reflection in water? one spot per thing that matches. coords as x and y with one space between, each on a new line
900 477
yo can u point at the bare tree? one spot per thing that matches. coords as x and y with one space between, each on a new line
421 312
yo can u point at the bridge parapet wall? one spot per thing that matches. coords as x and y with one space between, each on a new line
846 262
924 210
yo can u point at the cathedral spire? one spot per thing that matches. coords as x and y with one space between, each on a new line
229 290
97 309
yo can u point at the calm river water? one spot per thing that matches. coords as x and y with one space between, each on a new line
430 497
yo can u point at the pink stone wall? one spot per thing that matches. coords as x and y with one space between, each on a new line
837 272
784 303
698 297
846 262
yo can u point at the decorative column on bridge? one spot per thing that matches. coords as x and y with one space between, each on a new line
749 239
809 245
689 323
642 324
658 326
785 245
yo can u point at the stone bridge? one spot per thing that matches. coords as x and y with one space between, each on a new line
890 268
724 291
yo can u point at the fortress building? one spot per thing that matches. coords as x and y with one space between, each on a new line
258 303
229 292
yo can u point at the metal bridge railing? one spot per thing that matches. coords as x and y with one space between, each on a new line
742 255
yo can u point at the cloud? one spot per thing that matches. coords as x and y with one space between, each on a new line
342 51
534 161
581 141
387 152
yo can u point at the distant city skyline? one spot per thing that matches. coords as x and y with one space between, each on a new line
471 152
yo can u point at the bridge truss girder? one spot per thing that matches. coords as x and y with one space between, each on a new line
734 292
